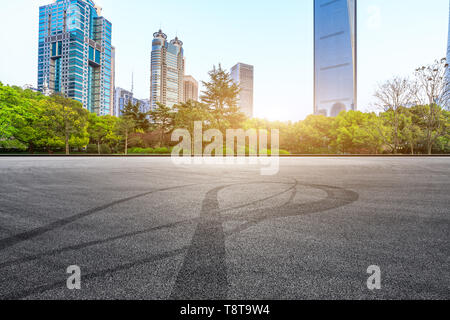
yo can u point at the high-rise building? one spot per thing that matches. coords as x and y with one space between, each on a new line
190 89
243 75
75 53
113 78
167 71
446 98
122 97
335 56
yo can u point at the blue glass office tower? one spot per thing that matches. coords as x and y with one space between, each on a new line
75 54
335 56
447 89
167 71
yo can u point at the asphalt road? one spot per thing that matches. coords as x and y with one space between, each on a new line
143 228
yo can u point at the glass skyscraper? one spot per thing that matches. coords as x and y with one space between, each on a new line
75 54
447 89
167 71
335 56
243 75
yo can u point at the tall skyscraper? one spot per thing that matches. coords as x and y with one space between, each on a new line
113 78
190 89
167 71
243 75
335 56
75 53
447 89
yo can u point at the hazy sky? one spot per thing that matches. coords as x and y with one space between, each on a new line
394 37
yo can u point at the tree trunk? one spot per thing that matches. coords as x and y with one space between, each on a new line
98 147
126 142
395 142
161 142
67 144
396 133
429 143
412 148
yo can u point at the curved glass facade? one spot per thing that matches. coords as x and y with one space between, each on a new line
167 71
335 56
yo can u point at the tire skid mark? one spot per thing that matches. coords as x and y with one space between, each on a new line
203 274
61 284
27 235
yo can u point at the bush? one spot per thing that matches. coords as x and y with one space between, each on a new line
135 150
105 149
140 151
161 151
92 149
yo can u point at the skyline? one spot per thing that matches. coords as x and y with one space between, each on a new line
398 43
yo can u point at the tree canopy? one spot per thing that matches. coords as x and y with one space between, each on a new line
411 120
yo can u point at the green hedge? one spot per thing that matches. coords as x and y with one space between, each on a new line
140 151
161 151
148 151
93 149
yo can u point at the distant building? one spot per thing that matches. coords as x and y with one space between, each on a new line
335 57
167 71
145 105
122 97
30 87
75 53
190 89
243 75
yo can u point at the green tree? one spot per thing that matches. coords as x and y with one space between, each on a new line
350 138
187 113
19 110
163 120
375 141
443 144
412 132
68 121
431 94
140 118
434 123
221 94
390 128
392 96
315 134
62 124
101 130
124 127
